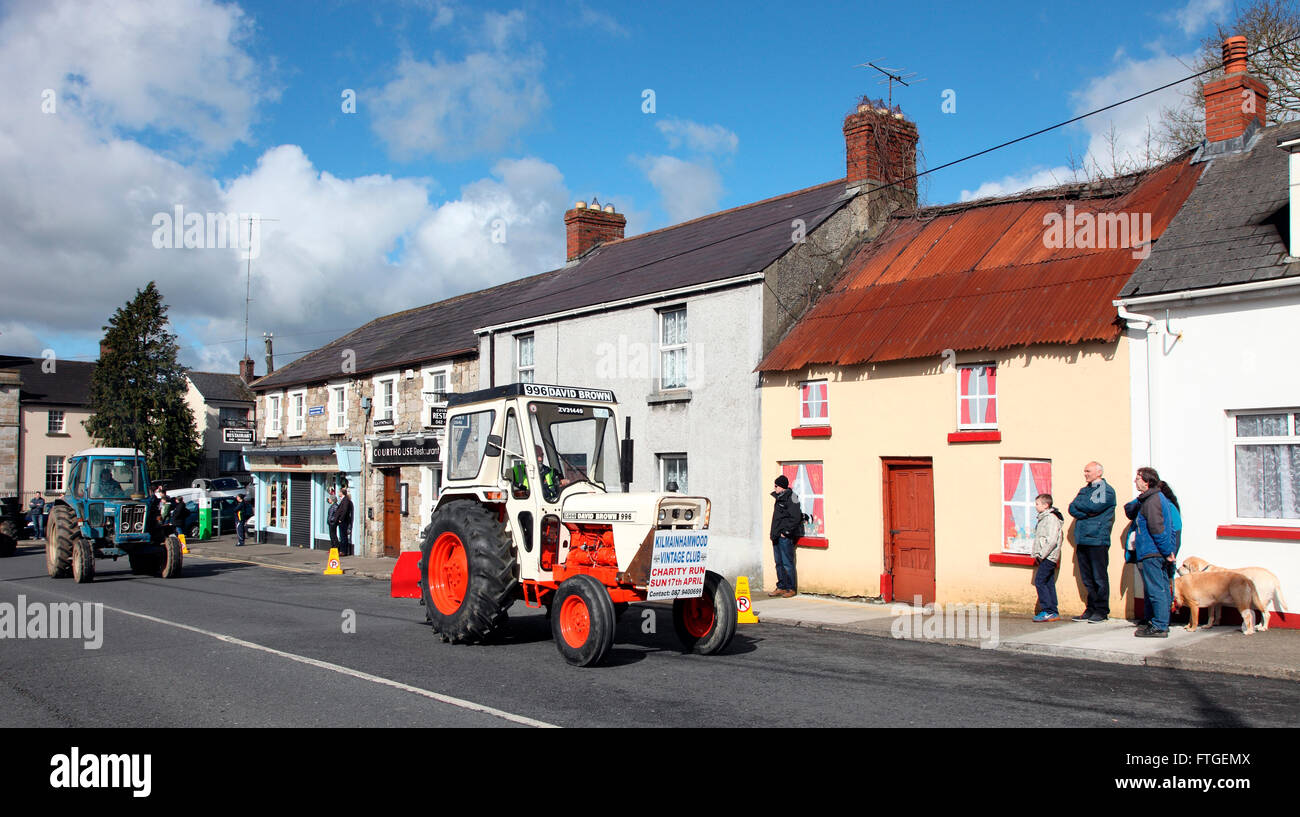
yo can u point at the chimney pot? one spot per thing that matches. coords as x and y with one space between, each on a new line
880 149
246 370
1234 55
1235 100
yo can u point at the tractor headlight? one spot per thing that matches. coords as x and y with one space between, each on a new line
662 514
690 514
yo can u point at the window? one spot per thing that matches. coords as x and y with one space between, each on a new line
386 399
806 482
231 461
277 501
524 359
1266 458
435 398
273 414
53 475
78 486
297 413
1022 482
672 348
814 408
468 443
978 396
232 417
56 422
672 469
338 404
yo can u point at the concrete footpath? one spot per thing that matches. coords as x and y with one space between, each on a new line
1272 654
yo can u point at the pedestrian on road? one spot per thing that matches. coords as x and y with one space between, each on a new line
36 513
242 513
332 517
1047 555
344 517
787 527
180 517
1094 514
1155 548
155 509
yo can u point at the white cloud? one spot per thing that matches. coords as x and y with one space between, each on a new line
453 110
588 16
1192 17
687 189
1047 177
697 137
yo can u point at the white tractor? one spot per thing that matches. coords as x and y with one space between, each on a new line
532 510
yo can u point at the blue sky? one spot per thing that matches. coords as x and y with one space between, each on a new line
466 113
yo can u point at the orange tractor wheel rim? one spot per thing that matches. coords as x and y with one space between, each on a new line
698 616
448 573
575 622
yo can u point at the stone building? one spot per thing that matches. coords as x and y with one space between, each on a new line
9 383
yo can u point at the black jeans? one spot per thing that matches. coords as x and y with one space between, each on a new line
1094 565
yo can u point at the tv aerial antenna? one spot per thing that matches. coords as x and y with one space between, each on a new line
891 76
248 276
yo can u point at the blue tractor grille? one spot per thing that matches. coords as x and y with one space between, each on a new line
132 519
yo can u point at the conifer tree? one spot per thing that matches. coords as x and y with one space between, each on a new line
137 392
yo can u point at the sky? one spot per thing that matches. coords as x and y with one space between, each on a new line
394 153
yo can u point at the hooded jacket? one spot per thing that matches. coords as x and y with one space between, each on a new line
787 516
1047 535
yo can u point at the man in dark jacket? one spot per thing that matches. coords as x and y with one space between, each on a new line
787 527
1094 513
343 517
243 512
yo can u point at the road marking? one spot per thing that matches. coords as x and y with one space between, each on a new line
342 670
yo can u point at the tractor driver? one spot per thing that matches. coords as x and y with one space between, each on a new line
108 488
552 482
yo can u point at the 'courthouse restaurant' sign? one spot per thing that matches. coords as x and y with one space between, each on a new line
405 452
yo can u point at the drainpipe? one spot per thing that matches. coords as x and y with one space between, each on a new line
1152 329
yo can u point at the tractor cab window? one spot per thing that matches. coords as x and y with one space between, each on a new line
79 480
576 443
467 443
115 479
513 467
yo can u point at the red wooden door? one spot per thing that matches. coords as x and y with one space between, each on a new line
910 531
392 514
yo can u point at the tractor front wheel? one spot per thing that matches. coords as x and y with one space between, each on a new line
707 624
59 534
83 560
169 563
8 538
467 572
583 620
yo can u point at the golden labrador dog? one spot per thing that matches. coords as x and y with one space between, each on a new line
1197 590
1266 584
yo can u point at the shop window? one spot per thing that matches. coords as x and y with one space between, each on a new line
1022 482
814 407
277 502
1266 465
978 398
806 482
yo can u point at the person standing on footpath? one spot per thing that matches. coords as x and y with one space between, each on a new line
1155 547
37 515
332 517
787 527
1047 555
242 513
1094 514
343 516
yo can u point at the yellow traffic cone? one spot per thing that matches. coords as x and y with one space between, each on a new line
332 567
744 604
184 547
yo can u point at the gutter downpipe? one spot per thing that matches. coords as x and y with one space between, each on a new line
1152 328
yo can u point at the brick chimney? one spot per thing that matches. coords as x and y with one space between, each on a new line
879 148
246 370
588 226
1235 100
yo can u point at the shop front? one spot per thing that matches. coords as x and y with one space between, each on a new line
291 487
405 478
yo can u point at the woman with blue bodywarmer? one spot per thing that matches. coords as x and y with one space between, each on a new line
1157 528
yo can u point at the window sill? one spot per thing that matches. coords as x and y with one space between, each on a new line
810 431
813 542
57 434
1258 532
674 396
1022 559
975 437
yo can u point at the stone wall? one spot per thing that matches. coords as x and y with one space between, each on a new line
9 389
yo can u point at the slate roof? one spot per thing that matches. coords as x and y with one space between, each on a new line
981 276
712 248
67 385
1232 229
221 386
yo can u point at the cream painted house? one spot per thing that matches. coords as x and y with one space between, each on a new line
53 397
965 362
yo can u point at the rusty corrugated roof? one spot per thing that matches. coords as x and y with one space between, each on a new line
982 277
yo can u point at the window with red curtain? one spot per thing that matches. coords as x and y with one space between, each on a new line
814 408
806 481
1022 482
978 396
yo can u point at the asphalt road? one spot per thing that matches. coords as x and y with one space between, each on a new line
232 644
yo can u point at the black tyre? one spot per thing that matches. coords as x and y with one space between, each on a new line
8 538
59 533
83 560
583 622
707 624
467 572
169 564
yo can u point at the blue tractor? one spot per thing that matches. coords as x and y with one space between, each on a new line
104 513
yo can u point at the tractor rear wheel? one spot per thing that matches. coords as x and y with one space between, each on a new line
707 624
467 572
583 620
59 533
83 560
169 563
8 538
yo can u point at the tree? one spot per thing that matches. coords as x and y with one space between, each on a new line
1266 24
137 392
